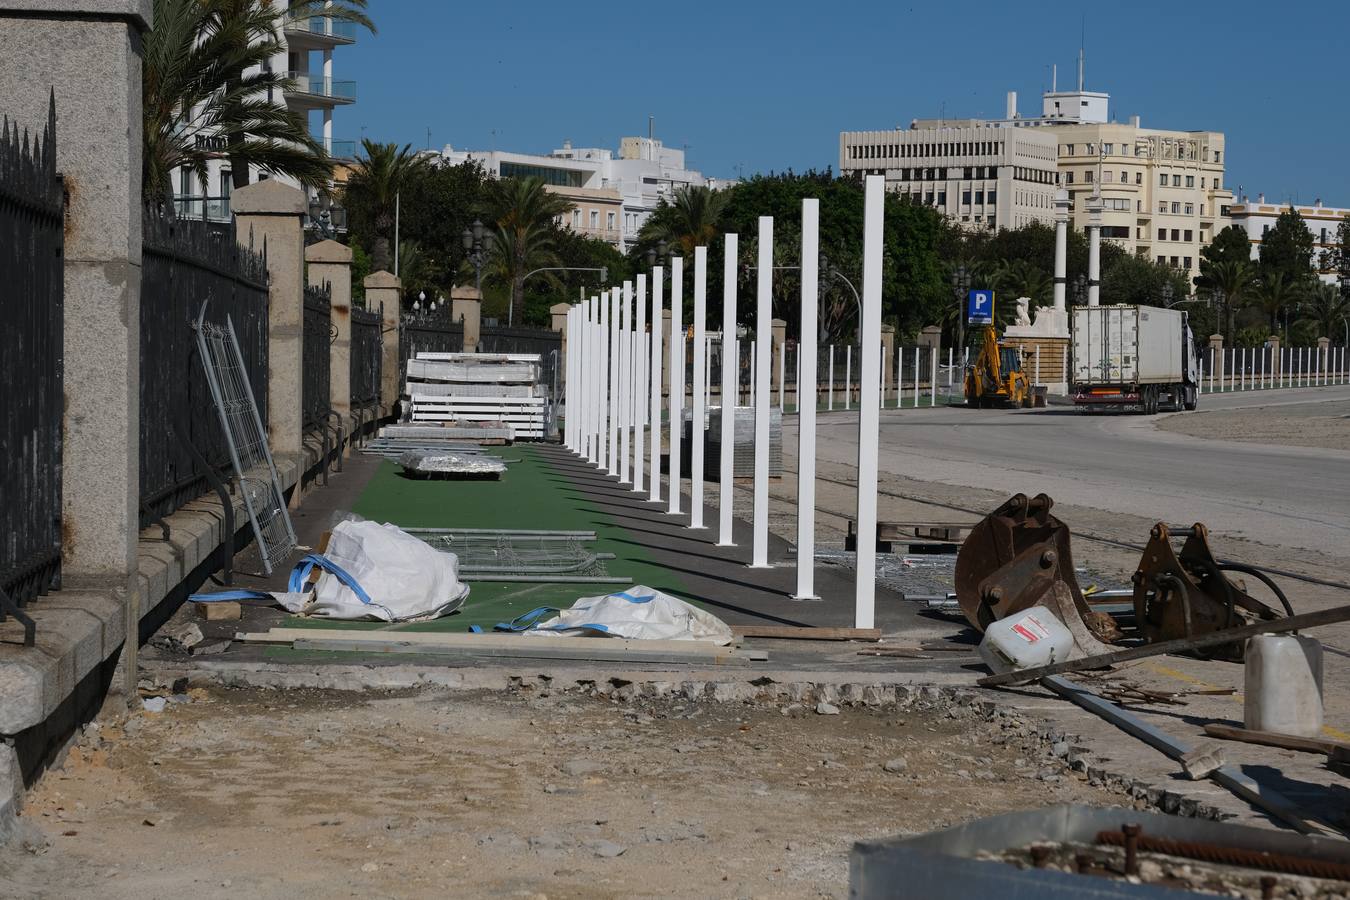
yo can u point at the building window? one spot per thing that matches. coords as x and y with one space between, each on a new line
1202 209
1162 207
1176 181
1138 177
1176 234
1162 234
1218 156
1265 229
1174 262
993 198
1108 149
942 198
1162 180
1190 209
979 198
1091 149
1070 151
1087 176
1186 235
595 218
1107 176
1162 260
576 218
965 198
1124 177
1176 207
609 221
928 198
1190 181
1186 262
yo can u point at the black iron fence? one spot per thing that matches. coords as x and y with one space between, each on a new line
31 391
185 263
543 341
431 332
318 341
365 357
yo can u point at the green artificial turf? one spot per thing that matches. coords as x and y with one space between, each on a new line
531 495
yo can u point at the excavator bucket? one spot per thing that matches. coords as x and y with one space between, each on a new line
1018 557
1186 594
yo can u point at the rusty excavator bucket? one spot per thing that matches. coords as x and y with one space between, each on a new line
1187 594
1018 557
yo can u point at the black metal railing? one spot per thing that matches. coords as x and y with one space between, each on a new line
365 357
431 332
318 341
31 390
543 341
186 262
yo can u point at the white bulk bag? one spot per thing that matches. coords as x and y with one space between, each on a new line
640 612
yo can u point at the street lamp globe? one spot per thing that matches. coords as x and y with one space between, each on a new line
467 239
477 230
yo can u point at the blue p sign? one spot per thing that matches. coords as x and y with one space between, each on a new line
980 307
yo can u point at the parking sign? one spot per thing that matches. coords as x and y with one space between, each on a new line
980 307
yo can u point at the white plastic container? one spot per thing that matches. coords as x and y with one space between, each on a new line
1283 685
1033 637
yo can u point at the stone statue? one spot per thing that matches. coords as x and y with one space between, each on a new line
1023 311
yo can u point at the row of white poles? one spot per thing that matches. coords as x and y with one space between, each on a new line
614 390
1257 368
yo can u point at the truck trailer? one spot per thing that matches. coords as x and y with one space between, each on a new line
1133 358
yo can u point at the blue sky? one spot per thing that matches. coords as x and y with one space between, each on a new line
755 86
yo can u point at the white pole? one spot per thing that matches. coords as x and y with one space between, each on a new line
592 391
763 318
916 378
697 425
731 354
677 357
949 373
641 350
603 434
848 376
1200 388
886 377
782 373
797 379
625 380
658 285
830 391
707 372
569 381
869 419
806 415
932 377
899 376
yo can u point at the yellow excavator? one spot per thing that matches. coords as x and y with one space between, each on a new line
996 378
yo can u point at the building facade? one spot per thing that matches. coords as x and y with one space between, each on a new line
614 195
307 55
1160 193
1256 217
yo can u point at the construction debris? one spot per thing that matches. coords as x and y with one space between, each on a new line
439 464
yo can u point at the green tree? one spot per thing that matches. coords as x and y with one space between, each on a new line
1287 248
1277 292
377 181
1327 307
1337 259
1018 278
524 238
686 220
1229 284
1229 245
1141 282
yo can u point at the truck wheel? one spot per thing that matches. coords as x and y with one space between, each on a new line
1192 400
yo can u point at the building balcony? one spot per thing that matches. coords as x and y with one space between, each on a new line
340 149
318 31
315 90
206 209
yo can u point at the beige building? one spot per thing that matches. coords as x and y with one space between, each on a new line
981 176
596 212
1257 217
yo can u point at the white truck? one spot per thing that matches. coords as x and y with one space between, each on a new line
1133 358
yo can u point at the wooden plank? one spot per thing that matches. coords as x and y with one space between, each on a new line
595 650
287 635
799 633
1275 739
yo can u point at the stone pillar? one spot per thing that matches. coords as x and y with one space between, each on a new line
269 214
931 336
559 313
778 330
1323 355
1094 250
330 263
382 292
87 54
466 303
1061 247
887 358
1273 342
1216 342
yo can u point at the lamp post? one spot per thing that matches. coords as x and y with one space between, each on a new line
1079 289
657 254
476 254
320 218
960 288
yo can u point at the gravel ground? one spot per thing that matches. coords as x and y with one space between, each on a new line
246 793
1324 425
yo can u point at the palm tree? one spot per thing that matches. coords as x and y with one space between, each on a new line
377 179
205 74
689 218
1329 308
1229 283
1020 278
525 214
1277 292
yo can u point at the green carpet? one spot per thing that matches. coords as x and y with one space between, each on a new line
532 494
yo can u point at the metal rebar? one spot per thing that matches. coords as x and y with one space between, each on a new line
1130 837
1232 856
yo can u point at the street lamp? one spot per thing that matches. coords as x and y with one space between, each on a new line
421 298
960 288
657 254
476 253
1079 289
320 219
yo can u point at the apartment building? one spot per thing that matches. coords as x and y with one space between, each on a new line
1257 217
979 175
308 47
1160 192
614 195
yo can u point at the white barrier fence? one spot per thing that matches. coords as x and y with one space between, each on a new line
1263 368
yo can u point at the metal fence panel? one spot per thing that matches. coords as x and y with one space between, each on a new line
317 352
366 354
431 332
184 263
31 390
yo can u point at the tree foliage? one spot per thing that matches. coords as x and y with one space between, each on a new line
525 237
1287 248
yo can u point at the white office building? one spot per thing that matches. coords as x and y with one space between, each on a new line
613 195
1257 217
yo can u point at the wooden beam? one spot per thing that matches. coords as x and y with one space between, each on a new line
1275 739
802 633
470 641
595 650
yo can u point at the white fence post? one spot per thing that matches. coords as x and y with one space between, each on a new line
731 357
869 419
916 377
932 376
641 365
830 392
677 356
697 425
658 288
763 339
806 415
899 376
848 377
625 379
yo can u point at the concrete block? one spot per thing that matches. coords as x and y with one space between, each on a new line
137 12
220 611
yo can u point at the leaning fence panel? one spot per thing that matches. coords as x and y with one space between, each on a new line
31 388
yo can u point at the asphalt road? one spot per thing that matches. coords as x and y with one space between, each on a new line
1285 496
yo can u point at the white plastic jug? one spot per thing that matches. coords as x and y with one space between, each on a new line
1033 637
1283 685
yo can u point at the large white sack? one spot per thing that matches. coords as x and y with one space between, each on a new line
405 578
640 612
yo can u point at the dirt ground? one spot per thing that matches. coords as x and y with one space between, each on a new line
245 793
1325 425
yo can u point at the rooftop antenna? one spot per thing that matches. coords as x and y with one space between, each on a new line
651 137
1054 78
1082 41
